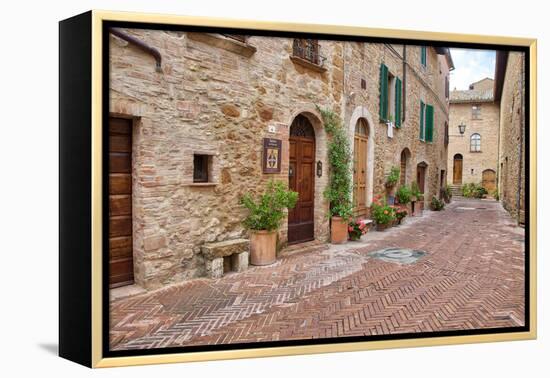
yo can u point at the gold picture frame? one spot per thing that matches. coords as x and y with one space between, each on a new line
96 19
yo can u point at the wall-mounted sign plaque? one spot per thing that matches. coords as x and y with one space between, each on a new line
272 155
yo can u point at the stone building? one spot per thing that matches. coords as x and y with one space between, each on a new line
510 94
473 153
190 114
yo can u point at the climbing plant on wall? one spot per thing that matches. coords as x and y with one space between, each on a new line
339 189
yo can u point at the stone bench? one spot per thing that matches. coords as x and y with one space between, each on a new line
225 256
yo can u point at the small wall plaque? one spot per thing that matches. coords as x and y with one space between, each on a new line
272 155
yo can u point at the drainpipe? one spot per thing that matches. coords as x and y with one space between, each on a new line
139 43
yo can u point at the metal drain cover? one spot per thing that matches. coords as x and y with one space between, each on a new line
398 255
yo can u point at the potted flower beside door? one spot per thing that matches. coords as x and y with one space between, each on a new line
340 185
391 182
264 218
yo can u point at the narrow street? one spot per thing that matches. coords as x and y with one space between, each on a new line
462 268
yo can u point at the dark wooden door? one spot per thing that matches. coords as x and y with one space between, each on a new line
457 170
301 179
121 264
421 177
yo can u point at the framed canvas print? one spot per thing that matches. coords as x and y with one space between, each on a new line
235 189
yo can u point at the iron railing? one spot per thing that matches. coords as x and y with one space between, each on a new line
308 49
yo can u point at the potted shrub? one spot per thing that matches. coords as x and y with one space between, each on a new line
436 204
403 197
357 228
391 182
400 213
383 214
264 218
339 189
446 193
417 200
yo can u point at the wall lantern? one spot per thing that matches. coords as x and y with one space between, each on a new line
319 168
462 128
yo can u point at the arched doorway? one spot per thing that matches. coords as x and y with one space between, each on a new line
360 146
489 180
405 162
421 170
457 169
301 179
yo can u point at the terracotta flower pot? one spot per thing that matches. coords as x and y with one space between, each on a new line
382 227
263 247
338 230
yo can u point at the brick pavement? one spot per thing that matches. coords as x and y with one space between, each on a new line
472 277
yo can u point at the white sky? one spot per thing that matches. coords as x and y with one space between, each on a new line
471 66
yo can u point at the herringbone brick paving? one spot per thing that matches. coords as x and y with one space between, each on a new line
472 277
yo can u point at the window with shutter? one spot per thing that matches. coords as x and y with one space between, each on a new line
423 56
398 90
429 123
422 106
383 93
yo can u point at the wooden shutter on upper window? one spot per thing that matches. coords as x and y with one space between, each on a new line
423 57
421 120
383 92
429 123
398 86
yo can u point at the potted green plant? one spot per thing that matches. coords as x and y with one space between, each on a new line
382 213
264 218
391 182
400 213
417 200
339 189
436 204
357 228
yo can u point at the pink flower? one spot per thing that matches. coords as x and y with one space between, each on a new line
350 229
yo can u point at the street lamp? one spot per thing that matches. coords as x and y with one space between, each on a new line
462 128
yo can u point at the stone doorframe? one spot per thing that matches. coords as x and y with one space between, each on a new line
321 228
362 112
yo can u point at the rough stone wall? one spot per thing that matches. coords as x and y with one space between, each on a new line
473 163
221 103
363 61
512 136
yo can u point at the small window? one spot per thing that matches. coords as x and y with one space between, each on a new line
423 56
307 49
476 111
475 143
200 167
363 84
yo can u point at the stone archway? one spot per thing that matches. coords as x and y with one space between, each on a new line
405 167
321 229
362 112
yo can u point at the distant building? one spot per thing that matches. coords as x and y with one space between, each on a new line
510 95
473 154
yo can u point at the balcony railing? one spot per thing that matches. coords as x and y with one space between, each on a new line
308 49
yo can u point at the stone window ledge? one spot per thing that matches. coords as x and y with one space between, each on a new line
307 64
223 42
202 184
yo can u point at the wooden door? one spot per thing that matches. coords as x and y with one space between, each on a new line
121 265
421 177
489 180
301 179
457 170
360 169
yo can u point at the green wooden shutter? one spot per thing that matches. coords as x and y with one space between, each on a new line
423 55
421 120
383 92
398 102
429 123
